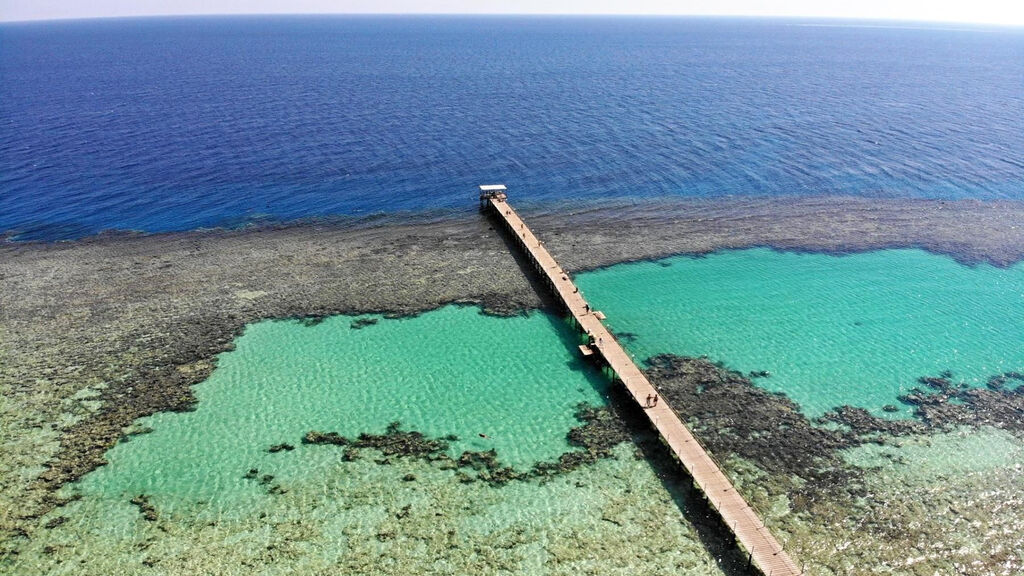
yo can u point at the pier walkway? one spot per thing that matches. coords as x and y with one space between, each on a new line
763 550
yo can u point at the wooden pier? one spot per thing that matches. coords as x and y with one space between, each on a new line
763 550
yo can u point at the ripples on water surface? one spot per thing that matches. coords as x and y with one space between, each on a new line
513 380
854 329
310 509
831 330
180 123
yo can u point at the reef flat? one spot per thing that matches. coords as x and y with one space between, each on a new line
851 491
97 333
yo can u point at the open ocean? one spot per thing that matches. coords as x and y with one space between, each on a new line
182 123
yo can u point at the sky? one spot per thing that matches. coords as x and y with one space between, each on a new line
1004 12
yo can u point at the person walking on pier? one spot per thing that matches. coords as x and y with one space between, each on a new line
647 404
655 397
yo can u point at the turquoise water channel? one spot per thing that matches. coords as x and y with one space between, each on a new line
831 330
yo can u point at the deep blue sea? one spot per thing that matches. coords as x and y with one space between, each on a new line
181 123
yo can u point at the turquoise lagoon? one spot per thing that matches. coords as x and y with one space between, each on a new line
516 381
508 384
855 329
830 329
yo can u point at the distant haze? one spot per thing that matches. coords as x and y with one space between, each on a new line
1004 12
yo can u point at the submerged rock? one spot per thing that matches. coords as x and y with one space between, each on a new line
731 416
350 454
317 437
999 381
148 510
959 405
941 383
58 521
478 460
360 323
864 424
601 431
734 417
134 431
397 442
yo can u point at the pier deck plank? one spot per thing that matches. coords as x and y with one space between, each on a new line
750 532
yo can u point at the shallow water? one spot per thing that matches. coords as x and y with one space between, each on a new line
947 503
615 517
517 380
451 371
936 458
831 330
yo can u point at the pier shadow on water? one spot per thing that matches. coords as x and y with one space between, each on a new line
716 538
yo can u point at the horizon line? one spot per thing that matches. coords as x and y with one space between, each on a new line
878 21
